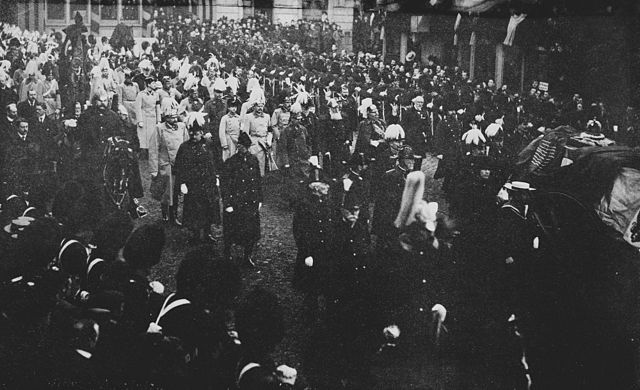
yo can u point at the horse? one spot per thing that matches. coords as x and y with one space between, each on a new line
118 176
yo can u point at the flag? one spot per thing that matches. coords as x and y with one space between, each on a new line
455 29
511 28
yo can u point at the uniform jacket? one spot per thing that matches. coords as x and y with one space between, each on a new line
242 185
415 129
369 130
387 202
164 144
94 127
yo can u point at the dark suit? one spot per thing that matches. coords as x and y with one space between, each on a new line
49 132
21 160
27 110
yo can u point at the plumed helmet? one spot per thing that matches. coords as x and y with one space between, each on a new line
394 132
412 194
406 152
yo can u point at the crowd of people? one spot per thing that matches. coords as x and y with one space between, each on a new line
208 109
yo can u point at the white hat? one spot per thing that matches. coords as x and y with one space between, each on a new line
519 185
418 99
492 130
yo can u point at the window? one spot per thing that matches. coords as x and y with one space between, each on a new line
56 9
131 9
315 4
108 9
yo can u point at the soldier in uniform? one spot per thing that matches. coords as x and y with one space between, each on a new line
196 175
389 196
257 124
280 121
310 121
446 143
163 148
229 129
95 125
355 179
349 314
370 130
313 221
242 198
147 106
337 137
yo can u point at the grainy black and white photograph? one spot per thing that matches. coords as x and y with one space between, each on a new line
320 194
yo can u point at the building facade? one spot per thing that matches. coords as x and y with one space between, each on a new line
101 16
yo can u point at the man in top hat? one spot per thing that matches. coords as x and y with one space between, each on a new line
416 127
242 198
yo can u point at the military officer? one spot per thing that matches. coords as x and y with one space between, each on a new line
389 196
355 179
242 198
313 221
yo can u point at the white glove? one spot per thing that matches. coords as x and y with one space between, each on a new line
287 375
157 287
391 332
153 175
439 157
208 136
229 209
259 205
154 328
308 261
183 188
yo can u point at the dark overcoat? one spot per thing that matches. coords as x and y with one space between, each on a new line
242 190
